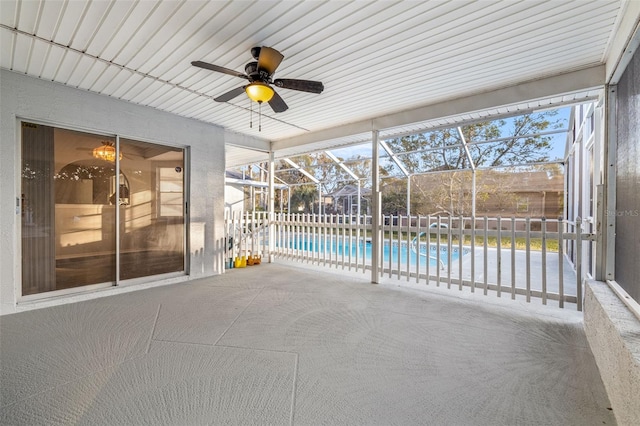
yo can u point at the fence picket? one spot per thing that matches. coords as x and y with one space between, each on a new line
437 251
365 236
543 228
396 220
350 239
513 258
357 243
485 255
449 250
528 256
460 246
579 262
499 257
344 241
560 263
417 247
341 240
473 254
428 234
408 250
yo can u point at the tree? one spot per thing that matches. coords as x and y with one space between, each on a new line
303 192
496 143
330 174
394 196
304 196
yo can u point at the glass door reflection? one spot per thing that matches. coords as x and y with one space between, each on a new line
70 193
153 218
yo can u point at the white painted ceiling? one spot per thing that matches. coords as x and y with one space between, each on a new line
375 58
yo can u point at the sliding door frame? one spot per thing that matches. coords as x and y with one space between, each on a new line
117 282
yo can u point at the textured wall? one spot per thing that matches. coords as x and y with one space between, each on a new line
614 336
627 271
62 106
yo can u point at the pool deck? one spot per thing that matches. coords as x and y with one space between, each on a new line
289 343
521 274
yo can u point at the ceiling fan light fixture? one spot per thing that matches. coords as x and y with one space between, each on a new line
259 92
106 152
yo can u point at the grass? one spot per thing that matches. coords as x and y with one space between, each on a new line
535 244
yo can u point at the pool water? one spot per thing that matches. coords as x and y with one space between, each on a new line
336 249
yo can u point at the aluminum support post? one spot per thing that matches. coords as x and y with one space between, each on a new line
272 234
376 236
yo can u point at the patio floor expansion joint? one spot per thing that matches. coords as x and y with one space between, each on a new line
153 329
238 316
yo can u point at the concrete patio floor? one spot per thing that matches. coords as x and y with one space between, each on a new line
292 344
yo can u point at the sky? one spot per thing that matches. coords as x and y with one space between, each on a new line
557 152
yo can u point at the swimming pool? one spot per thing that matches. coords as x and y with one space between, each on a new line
392 252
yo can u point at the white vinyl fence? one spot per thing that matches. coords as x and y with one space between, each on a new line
533 258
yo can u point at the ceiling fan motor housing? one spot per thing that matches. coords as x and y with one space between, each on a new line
256 74
251 69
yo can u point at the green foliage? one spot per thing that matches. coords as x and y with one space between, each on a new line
394 196
302 198
304 192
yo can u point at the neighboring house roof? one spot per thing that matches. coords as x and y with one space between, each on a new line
349 190
236 178
232 174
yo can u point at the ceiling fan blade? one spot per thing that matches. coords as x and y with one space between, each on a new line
269 59
230 94
277 103
301 85
217 68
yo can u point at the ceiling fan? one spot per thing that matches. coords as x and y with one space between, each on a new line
259 74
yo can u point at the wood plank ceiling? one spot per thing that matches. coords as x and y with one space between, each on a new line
374 57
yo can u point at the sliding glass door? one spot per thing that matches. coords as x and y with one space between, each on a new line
72 235
152 213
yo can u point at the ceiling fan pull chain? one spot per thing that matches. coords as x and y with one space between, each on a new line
251 115
260 116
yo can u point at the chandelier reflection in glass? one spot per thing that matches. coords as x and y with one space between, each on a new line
106 152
